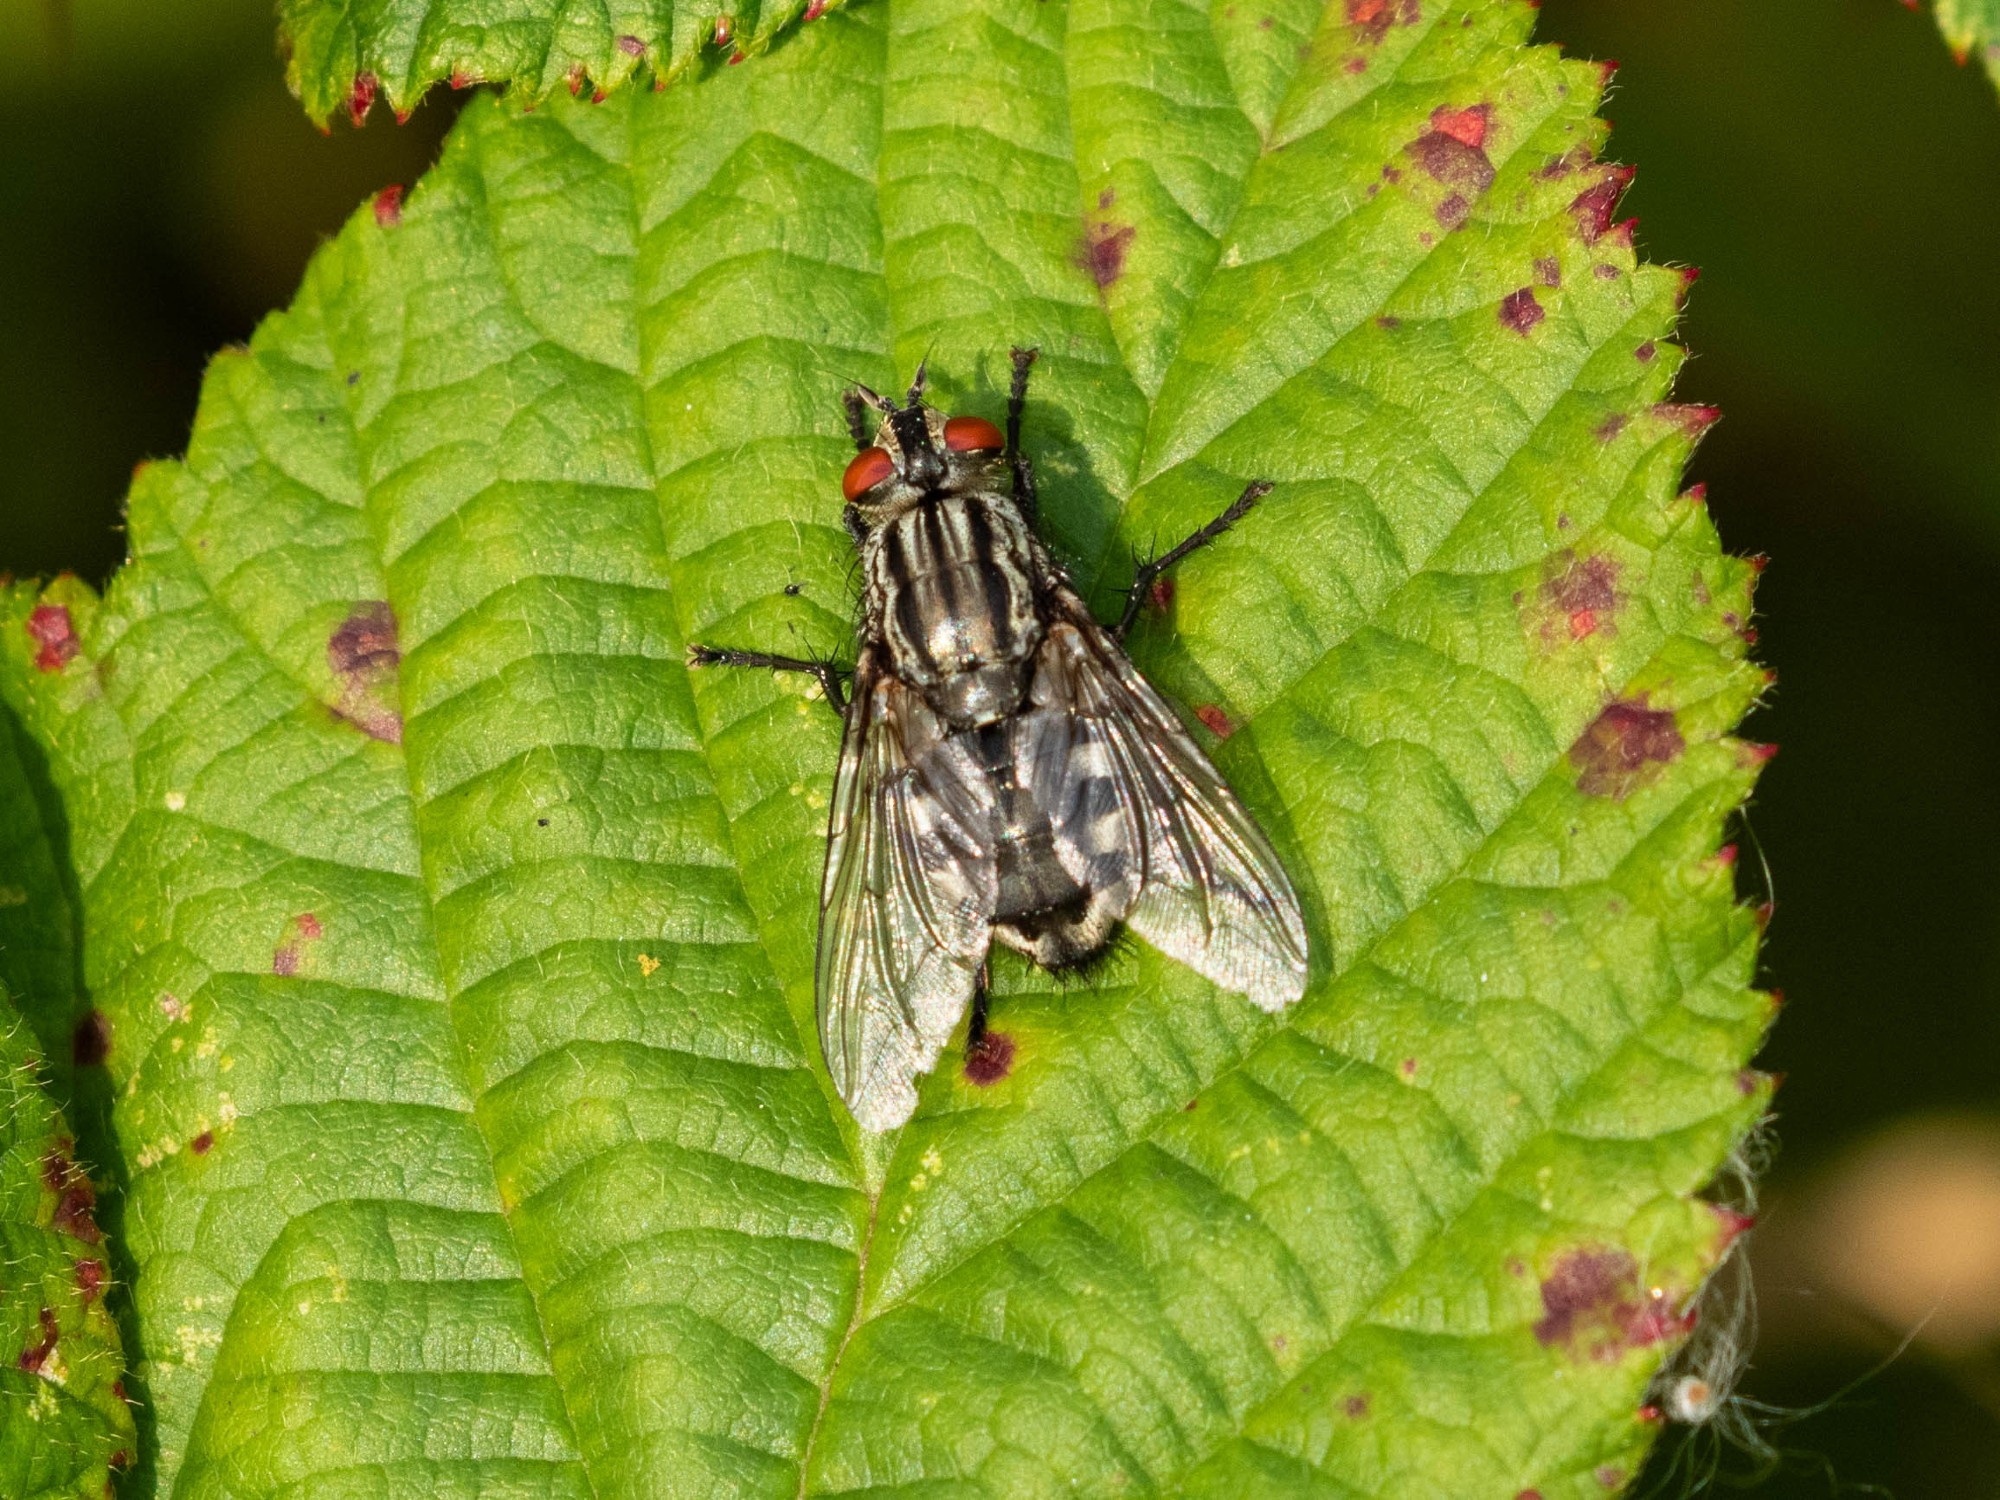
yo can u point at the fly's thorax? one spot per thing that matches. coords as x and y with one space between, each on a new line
952 594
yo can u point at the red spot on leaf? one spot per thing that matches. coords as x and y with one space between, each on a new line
1452 212
1520 311
1467 126
1219 723
50 628
1734 1224
389 206
598 96
89 1279
1692 420
1449 159
1645 352
1650 1414
76 1198
299 931
815 10
202 1144
365 641
1356 1406
35 1358
736 57
990 1059
1162 594
631 46
1613 753
1592 208
1610 427
90 1043
1529 1495
361 97
1592 1305
1102 252
1725 857
460 79
1354 65
1409 1067
363 655
725 31
574 78
1548 271
1610 1475
1373 18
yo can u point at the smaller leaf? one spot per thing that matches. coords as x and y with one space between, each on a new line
345 59
63 1419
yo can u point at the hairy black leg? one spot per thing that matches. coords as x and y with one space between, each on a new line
856 527
1017 393
857 417
975 1028
1017 461
828 674
1142 580
1025 498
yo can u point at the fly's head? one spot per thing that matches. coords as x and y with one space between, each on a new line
918 453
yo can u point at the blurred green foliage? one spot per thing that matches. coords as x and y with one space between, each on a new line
1823 161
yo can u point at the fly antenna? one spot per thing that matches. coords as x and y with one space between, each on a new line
917 385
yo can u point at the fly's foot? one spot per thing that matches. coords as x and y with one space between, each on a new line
1148 572
829 676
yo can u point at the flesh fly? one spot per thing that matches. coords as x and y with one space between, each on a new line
1005 771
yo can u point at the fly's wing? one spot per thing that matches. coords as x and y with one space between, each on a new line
907 903
1211 892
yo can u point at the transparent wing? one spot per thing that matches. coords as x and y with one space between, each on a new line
906 909
1211 891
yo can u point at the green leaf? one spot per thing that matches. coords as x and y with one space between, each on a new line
342 57
458 940
63 1418
1972 28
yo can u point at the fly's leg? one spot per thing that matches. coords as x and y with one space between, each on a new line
1017 400
828 674
857 418
975 1028
1142 580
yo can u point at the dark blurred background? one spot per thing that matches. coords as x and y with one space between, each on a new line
1835 175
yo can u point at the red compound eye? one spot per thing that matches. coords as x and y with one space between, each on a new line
870 467
971 434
